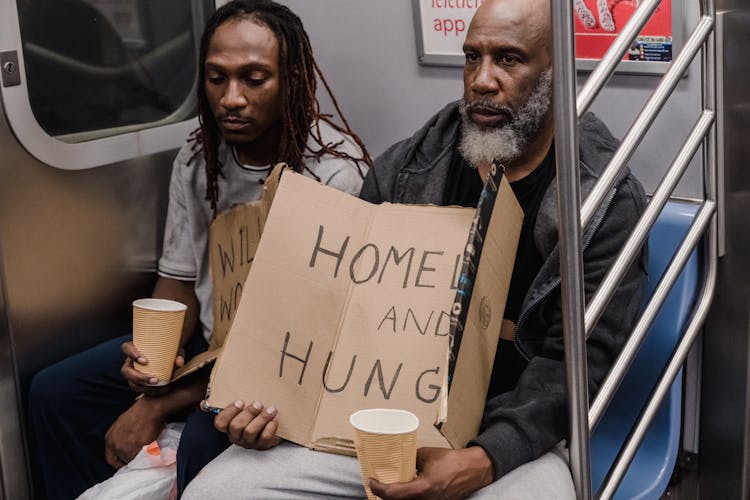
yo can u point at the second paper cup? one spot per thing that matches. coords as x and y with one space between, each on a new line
386 443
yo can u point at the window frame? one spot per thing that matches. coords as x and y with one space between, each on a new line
94 150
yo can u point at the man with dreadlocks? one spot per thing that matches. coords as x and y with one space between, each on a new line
256 106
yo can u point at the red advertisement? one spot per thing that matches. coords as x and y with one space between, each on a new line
598 22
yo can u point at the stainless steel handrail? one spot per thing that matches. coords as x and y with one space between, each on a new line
606 67
570 230
601 298
708 72
571 249
641 125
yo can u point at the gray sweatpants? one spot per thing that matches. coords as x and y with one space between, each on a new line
294 472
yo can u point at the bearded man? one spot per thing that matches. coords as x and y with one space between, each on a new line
505 116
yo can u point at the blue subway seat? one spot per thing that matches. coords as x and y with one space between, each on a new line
651 469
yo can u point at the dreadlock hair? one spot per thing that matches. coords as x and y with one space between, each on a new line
300 110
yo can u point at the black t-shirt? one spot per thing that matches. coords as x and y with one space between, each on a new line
464 184
463 188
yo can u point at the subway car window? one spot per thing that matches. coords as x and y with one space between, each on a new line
96 68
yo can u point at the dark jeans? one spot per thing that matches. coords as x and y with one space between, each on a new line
73 403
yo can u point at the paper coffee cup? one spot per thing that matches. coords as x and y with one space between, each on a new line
157 327
386 443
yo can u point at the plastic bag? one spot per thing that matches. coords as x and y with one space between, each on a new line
149 476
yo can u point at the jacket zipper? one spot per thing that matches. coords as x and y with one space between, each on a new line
594 225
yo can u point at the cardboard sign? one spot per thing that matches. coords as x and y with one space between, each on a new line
233 239
348 305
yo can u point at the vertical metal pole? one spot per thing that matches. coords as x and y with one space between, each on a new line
710 97
708 67
571 258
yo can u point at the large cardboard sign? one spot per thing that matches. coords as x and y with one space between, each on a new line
348 305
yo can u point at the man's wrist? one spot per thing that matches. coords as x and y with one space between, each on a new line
479 460
184 395
153 405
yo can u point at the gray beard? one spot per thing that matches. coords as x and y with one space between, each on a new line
506 143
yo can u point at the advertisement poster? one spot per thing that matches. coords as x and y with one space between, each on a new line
441 30
441 27
598 22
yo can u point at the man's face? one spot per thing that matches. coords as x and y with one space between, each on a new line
242 82
507 78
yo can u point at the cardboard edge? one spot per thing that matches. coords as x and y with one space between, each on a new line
207 398
339 446
459 435
196 363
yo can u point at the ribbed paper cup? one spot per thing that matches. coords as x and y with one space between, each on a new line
157 326
386 443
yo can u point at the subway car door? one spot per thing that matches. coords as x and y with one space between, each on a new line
97 96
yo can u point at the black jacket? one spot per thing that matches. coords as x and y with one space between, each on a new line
523 424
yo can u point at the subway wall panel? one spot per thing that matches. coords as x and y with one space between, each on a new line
724 458
77 247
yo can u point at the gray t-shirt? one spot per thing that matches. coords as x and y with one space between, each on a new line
185 250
